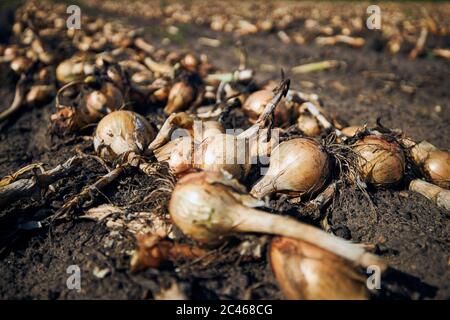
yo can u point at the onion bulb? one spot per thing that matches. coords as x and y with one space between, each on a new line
298 166
120 132
179 152
70 70
309 125
180 158
257 101
103 101
209 207
306 272
190 62
180 97
216 153
94 106
39 94
436 168
380 162
434 163
21 64
223 152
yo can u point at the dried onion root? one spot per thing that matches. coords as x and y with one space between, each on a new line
13 189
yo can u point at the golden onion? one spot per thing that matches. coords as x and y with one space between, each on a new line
120 132
380 162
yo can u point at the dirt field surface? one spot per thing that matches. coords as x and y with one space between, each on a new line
409 231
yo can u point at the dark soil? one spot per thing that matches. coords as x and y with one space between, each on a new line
409 231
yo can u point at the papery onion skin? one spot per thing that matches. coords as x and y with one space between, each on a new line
256 102
433 163
298 166
190 62
66 120
380 162
122 131
306 272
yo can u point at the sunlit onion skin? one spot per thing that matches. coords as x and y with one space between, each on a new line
306 272
223 152
209 207
380 162
298 166
181 156
120 132
256 102
216 153
209 129
230 153
179 152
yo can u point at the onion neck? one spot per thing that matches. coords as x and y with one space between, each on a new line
253 220
262 188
